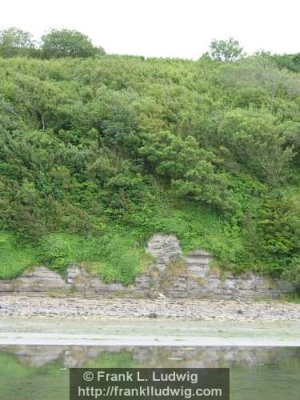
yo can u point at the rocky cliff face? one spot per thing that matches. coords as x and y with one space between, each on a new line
193 275
172 275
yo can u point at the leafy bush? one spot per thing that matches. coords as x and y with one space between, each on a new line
15 256
112 257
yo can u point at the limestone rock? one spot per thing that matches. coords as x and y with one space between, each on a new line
198 263
164 248
40 279
192 277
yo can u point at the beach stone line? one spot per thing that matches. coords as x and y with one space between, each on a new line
172 275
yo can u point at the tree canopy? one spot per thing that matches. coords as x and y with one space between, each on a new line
15 42
225 50
66 43
54 44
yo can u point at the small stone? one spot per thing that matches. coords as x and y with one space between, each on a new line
152 315
240 312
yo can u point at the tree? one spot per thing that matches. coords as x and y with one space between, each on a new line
15 42
190 169
253 142
278 231
288 61
226 50
68 43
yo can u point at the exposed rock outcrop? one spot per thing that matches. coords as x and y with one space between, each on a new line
172 275
164 248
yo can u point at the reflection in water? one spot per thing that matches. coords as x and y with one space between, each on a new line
41 372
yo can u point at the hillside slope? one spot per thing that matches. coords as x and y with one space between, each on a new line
96 155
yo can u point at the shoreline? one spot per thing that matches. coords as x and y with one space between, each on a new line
128 322
45 331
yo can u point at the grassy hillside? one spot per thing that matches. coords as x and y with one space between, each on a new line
98 154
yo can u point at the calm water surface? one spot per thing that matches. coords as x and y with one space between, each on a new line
41 372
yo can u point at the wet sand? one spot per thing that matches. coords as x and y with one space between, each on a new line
144 332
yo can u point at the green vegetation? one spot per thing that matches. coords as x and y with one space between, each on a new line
113 257
226 50
26 381
121 359
15 255
99 152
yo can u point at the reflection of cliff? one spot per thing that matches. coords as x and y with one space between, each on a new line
212 357
196 357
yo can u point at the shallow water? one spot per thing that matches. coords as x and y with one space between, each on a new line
41 372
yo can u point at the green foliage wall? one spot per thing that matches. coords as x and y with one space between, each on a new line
109 147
